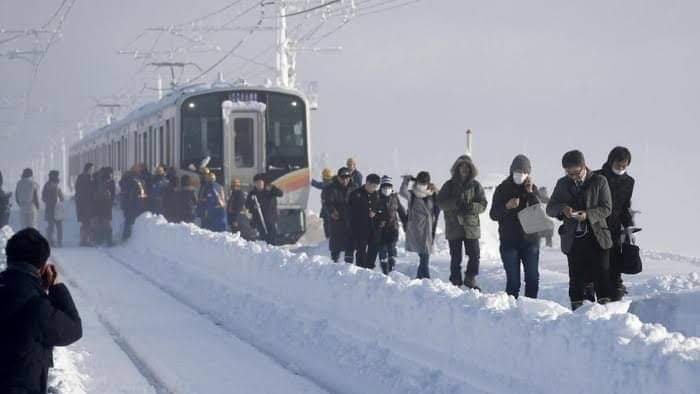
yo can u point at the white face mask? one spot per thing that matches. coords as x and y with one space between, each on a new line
387 191
422 188
619 172
519 178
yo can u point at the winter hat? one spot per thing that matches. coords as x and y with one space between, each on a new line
27 173
28 246
53 175
326 174
521 164
373 179
259 177
387 181
343 172
423 177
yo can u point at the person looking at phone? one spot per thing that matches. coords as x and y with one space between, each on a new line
582 200
36 314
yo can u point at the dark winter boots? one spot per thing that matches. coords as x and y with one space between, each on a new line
470 283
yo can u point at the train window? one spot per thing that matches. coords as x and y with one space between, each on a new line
144 145
202 131
286 132
244 145
161 146
168 148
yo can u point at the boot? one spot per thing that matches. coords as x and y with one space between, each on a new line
470 283
385 267
392 262
576 304
456 280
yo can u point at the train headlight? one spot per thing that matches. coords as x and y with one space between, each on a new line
191 105
294 104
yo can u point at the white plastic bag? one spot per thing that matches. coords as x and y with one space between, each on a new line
534 219
59 213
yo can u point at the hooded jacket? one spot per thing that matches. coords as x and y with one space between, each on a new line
463 200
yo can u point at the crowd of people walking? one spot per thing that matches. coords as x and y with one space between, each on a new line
362 218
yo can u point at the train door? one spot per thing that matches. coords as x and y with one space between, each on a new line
244 131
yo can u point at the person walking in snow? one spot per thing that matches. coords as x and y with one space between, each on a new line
237 219
363 204
133 186
84 200
582 200
27 198
262 203
157 189
390 214
335 198
422 217
37 313
5 205
52 196
621 221
105 194
355 174
186 201
462 198
214 204
514 194
327 179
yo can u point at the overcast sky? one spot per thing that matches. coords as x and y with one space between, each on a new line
534 77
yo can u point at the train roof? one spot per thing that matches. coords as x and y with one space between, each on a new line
172 98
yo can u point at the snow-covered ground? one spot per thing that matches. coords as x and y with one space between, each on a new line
180 309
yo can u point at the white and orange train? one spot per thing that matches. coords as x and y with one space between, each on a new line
244 130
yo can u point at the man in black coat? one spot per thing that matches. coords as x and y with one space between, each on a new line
621 219
262 202
36 314
335 200
364 205
84 201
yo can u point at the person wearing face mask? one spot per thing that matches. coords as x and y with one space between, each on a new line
463 199
363 205
620 220
335 200
423 212
514 194
389 212
582 200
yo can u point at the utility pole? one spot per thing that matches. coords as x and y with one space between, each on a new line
469 142
283 68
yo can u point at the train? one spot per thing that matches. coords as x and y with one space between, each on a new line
240 130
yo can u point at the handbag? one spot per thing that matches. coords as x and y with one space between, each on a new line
59 213
534 219
631 257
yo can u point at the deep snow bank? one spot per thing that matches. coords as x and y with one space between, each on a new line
676 311
399 335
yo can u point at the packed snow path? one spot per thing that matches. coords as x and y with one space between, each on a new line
175 348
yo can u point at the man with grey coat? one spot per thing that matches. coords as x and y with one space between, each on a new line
27 197
462 198
582 200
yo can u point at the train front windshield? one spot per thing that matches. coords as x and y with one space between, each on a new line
286 137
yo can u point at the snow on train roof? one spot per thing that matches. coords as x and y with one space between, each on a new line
171 99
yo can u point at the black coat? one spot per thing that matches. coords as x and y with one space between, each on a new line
135 197
389 212
105 193
509 227
267 198
31 324
236 205
84 197
360 204
335 200
186 205
621 189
